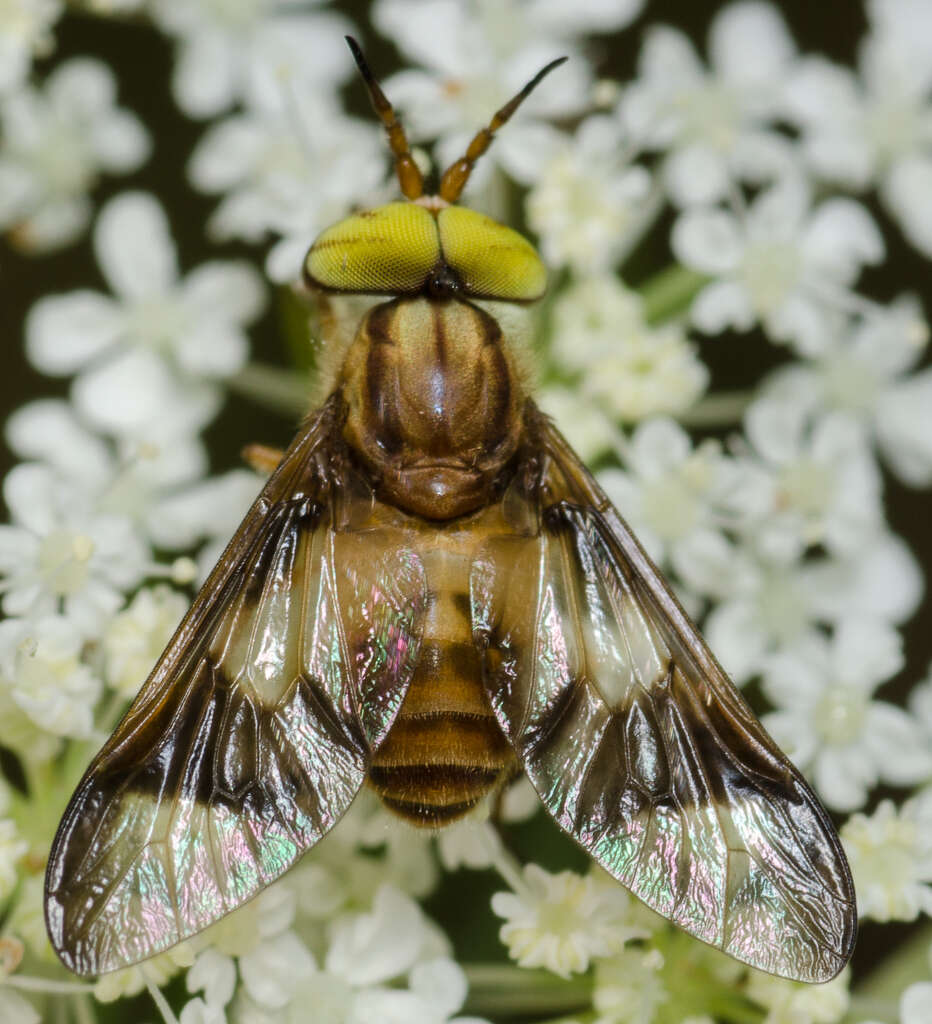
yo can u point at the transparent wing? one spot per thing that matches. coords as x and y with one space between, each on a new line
253 733
638 744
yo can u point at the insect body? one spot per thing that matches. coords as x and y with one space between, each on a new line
431 591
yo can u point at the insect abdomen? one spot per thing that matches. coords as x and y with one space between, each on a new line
445 750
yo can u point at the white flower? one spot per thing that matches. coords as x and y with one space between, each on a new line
34 746
367 849
367 953
12 848
212 973
251 50
135 637
589 202
369 948
766 602
587 428
826 486
196 1011
873 129
472 842
25 32
890 853
63 555
40 667
271 958
916 1003
631 369
26 919
154 481
792 1002
714 124
477 55
287 173
209 509
781 263
908 22
130 478
828 722
273 972
468 843
146 354
863 370
130 981
629 987
270 915
562 921
56 143
669 492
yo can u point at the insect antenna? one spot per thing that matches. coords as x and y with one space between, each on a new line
409 175
457 174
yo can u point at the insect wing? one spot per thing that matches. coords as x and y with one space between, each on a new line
253 733
641 748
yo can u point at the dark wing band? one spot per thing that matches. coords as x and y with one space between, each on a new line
254 731
638 744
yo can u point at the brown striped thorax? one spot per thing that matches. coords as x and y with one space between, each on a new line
433 404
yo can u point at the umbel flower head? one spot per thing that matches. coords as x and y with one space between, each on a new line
732 339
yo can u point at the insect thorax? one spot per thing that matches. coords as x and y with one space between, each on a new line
434 403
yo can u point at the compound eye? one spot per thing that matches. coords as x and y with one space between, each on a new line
390 249
492 261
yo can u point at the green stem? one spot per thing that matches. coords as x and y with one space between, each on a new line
669 293
84 1011
863 1008
723 409
734 1010
650 210
112 711
590 1017
497 990
48 986
882 988
274 387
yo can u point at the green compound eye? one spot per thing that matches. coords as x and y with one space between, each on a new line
492 261
390 249
393 249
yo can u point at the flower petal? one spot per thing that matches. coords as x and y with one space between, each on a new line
904 428
907 190
721 305
708 240
749 44
696 174
65 332
840 237
49 430
225 291
134 246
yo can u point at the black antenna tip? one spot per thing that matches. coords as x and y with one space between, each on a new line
544 71
358 56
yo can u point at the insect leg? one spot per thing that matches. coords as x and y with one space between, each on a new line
261 457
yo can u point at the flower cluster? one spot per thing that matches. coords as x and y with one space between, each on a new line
747 163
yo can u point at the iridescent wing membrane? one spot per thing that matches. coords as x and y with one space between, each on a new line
638 744
254 731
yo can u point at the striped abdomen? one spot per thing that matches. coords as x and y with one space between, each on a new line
445 750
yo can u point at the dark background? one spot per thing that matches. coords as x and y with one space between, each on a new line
142 60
